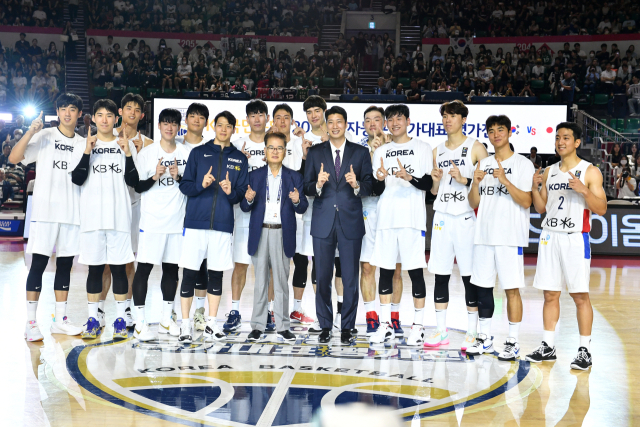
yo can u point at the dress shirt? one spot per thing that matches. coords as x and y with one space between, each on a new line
272 204
334 153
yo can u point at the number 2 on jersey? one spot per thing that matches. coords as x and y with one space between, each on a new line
561 198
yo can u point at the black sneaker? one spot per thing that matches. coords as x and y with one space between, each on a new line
254 335
287 335
325 336
583 360
347 337
543 353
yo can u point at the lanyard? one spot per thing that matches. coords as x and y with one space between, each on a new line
279 190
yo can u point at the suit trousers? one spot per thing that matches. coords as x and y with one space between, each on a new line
270 256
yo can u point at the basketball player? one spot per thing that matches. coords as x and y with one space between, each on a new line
56 210
402 179
454 221
373 125
208 224
160 167
104 171
501 193
571 190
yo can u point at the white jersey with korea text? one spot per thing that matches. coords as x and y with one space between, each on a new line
453 197
162 207
402 205
135 197
105 203
567 211
501 221
293 158
370 202
55 197
255 161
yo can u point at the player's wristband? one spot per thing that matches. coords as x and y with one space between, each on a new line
179 178
469 181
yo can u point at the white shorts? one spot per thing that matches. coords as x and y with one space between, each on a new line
452 237
135 226
399 245
306 243
369 239
241 245
156 248
563 257
105 247
44 236
507 262
215 246
299 232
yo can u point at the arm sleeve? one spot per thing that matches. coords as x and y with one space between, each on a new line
378 187
144 185
131 177
423 183
81 172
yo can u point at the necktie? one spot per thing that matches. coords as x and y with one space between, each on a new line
337 163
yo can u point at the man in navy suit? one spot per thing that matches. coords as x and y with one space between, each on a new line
273 197
338 174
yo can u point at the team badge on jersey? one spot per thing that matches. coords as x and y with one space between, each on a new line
544 240
464 151
578 173
439 226
365 214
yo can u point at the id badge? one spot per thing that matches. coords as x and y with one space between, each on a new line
272 213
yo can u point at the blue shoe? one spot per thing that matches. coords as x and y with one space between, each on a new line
271 323
234 321
395 322
93 329
120 329
372 323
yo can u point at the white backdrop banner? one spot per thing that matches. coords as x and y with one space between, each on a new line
532 125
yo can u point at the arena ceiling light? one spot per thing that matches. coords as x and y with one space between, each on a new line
29 111
7 117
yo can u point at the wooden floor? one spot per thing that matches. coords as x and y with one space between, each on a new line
64 381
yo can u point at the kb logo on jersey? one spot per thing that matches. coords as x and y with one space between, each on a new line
438 226
165 182
60 164
544 240
114 167
237 168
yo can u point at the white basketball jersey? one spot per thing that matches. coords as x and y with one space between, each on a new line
256 149
452 196
567 211
135 197
371 202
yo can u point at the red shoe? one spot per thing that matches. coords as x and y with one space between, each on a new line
395 322
373 322
301 317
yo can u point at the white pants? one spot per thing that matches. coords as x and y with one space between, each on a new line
399 245
563 257
105 247
156 248
44 236
214 245
452 237
506 262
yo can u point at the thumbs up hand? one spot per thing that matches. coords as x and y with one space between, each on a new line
226 185
351 178
249 194
208 178
294 196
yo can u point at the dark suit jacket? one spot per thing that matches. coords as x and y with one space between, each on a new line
258 182
337 196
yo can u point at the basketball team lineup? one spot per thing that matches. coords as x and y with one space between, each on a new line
268 207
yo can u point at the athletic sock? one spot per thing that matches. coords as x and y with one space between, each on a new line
340 299
441 319
395 308
297 304
485 326
270 305
139 309
93 309
101 305
61 310
200 302
235 305
385 313
472 322
514 330
549 337
127 304
167 308
418 316
32 307
585 341
369 306
121 306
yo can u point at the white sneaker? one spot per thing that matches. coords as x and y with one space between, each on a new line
143 332
416 336
185 332
65 327
482 345
128 318
172 328
511 350
32 332
337 323
469 340
315 328
212 331
199 321
384 333
437 338
100 318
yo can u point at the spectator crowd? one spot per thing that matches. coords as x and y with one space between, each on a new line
31 13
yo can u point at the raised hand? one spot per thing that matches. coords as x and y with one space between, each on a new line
138 142
577 185
123 142
455 174
537 180
91 141
306 144
500 174
436 173
351 178
322 176
298 131
478 174
173 170
160 170
249 194
402 172
294 196
208 178
381 173
244 151
226 185
36 124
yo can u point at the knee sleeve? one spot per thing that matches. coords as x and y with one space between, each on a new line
169 283
313 270
418 287
470 292
215 283
441 288
189 278
385 284
94 279
63 273
141 283
203 276
300 264
485 302
34 279
338 268
120 281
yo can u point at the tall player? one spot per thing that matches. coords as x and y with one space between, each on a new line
501 191
454 221
374 125
402 179
160 167
104 171
571 190
56 210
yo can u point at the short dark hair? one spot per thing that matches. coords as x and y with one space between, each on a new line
454 107
534 148
198 108
335 110
67 99
227 115
107 104
283 107
374 108
272 135
135 98
500 120
396 110
257 106
577 130
314 101
170 115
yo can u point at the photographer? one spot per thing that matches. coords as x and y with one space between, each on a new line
626 184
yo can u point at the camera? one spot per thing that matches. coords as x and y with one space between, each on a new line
625 174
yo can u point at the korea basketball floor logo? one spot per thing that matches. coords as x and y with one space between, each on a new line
239 383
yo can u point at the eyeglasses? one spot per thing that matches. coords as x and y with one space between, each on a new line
278 149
